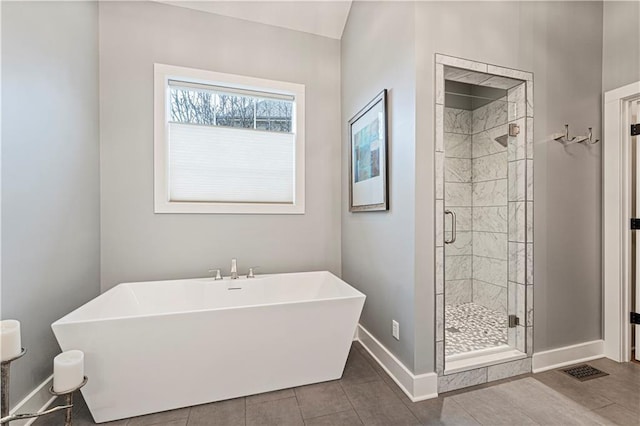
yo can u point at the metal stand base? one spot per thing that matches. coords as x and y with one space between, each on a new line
5 367
5 418
68 395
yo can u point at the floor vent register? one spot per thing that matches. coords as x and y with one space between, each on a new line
584 372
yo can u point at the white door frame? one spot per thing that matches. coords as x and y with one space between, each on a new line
616 215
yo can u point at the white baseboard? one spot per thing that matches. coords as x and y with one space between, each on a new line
417 388
567 355
39 399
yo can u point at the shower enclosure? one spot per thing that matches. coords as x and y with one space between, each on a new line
484 217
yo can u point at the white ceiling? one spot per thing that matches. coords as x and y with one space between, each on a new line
322 17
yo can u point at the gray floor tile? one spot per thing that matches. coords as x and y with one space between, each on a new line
367 356
544 405
396 389
163 418
343 418
621 392
487 406
270 396
358 370
88 421
281 412
356 346
618 415
576 390
321 399
228 413
383 374
376 404
620 387
441 411
623 369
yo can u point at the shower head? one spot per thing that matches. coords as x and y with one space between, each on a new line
502 140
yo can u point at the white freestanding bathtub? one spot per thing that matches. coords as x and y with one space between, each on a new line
156 346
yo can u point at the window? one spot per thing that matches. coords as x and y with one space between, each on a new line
227 144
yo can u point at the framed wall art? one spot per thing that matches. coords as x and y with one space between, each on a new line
368 180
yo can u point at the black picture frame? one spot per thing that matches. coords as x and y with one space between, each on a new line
368 159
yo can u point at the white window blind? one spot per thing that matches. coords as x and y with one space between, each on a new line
222 164
226 143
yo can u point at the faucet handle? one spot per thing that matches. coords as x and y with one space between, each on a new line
250 274
217 272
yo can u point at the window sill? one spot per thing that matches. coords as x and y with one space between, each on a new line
163 207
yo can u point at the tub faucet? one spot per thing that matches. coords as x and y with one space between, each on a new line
250 274
234 269
217 272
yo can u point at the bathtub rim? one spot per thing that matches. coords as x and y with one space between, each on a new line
63 321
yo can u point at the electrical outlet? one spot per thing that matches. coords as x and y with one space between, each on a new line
395 329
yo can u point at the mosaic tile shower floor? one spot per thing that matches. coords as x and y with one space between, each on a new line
469 327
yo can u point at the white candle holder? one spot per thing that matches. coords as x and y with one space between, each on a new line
5 418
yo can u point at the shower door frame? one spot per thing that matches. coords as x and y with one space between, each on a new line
520 254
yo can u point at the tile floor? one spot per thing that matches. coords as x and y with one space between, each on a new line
366 395
469 327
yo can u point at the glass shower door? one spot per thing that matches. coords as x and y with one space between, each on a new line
484 297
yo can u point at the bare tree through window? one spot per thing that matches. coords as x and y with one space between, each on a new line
211 108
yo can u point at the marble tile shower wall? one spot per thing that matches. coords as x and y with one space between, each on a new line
458 198
489 201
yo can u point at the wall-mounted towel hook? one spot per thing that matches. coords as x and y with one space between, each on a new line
589 139
566 134
564 139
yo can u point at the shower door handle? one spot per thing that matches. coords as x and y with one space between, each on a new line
453 227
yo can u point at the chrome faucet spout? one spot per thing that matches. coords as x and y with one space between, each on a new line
234 269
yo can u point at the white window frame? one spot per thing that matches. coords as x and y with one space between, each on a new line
162 74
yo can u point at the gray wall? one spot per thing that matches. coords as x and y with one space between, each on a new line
50 178
567 67
621 44
378 247
140 245
566 62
